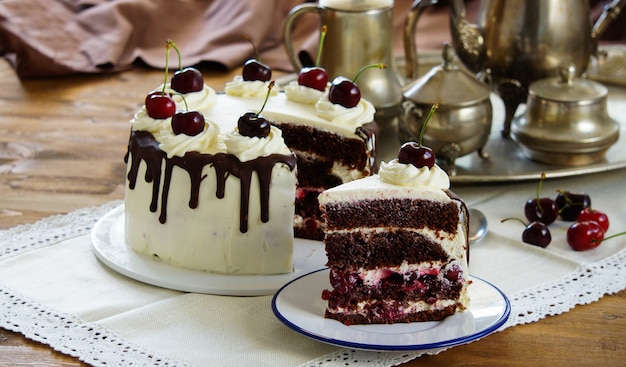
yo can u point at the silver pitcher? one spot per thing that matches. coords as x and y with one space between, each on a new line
517 42
359 33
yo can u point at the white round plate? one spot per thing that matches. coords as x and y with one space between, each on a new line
299 306
110 247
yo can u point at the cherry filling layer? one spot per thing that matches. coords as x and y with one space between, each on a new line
391 293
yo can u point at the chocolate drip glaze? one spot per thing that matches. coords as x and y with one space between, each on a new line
142 146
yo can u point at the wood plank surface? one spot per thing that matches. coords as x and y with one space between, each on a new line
62 143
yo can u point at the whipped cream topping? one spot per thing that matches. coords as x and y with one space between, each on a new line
202 101
141 121
402 174
248 89
337 114
302 94
177 145
247 148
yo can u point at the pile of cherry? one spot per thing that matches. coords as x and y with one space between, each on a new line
585 233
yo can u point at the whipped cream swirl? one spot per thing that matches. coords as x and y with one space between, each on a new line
143 122
201 100
248 89
302 94
356 116
402 174
247 148
177 145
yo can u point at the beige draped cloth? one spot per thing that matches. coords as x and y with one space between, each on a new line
59 37
43 38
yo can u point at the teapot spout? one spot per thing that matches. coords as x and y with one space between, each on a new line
410 48
609 13
467 39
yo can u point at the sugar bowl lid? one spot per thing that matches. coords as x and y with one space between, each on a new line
567 88
446 85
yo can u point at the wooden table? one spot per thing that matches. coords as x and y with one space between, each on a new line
62 143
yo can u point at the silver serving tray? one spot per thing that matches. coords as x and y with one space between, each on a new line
507 162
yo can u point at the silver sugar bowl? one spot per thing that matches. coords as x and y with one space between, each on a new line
461 124
566 121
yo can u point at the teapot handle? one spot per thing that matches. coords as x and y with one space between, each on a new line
410 48
293 15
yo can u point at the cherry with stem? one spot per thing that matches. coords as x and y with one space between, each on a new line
535 233
315 77
254 69
541 209
345 92
252 124
414 152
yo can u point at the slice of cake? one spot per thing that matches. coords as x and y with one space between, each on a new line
203 194
333 144
397 246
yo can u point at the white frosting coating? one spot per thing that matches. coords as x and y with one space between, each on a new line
248 89
247 148
208 238
402 174
201 240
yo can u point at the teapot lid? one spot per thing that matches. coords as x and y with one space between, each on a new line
567 88
446 85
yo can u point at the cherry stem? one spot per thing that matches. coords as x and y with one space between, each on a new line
185 101
319 49
543 177
256 51
608 238
168 45
430 114
267 96
517 219
180 58
380 66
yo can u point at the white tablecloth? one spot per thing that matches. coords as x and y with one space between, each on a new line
54 290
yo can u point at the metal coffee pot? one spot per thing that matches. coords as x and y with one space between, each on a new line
521 41
461 124
359 33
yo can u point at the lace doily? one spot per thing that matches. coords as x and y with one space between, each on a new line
100 347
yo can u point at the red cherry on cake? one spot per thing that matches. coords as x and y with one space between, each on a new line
256 70
417 155
414 152
160 105
597 216
188 122
344 92
582 236
313 77
252 124
187 80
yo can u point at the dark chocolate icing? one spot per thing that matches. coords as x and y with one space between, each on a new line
142 146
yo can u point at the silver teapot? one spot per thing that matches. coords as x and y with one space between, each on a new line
520 41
